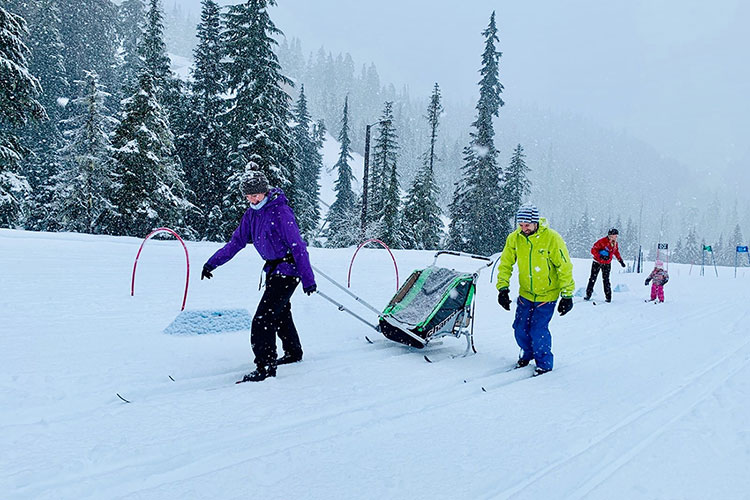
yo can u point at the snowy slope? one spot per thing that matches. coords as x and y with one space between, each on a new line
646 401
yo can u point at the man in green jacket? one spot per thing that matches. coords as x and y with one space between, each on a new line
545 273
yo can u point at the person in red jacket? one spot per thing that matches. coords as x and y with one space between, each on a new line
603 251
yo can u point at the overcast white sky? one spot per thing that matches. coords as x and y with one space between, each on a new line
672 72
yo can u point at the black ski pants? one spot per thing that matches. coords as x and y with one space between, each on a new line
595 266
274 317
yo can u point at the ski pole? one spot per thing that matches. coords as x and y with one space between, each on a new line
346 290
343 308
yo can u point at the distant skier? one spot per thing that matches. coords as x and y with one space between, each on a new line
658 278
603 251
269 224
545 273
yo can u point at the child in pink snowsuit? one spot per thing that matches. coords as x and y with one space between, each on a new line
658 278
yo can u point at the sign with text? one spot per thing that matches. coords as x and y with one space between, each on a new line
663 246
742 249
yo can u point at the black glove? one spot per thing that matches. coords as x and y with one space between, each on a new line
309 290
504 299
206 273
622 263
565 305
647 281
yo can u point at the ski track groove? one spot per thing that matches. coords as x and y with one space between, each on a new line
608 468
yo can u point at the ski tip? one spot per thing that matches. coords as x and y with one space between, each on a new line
484 390
118 395
427 359
170 378
368 340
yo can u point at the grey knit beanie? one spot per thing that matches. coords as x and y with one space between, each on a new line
254 182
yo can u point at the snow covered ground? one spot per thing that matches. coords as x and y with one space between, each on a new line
646 401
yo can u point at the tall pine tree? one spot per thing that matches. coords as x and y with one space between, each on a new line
517 185
18 105
258 116
382 176
203 146
305 189
45 138
480 222
342 219
421 224
149 189
84 186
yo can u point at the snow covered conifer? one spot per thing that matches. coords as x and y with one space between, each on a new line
482 216
149 189
421 224
258 116
83 187
305 189
381 178
45 138
516 186
18 105
342 221
153 50
203 145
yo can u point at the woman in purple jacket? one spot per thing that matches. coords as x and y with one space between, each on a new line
269 224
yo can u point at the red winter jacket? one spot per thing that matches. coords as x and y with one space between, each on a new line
605 244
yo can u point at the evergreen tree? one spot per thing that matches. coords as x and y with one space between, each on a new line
258 116
692 251
18 106
628 242
343 223
421 226
203 146
132 21
581 240
390 228
153 50
83 187
384 159
45 138
305 190
677 253
517 185
481 211
149 190
720 252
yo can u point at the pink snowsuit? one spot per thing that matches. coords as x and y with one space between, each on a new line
658 278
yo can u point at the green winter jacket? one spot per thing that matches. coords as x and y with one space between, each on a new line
545 271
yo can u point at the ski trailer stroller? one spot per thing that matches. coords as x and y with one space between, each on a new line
433 302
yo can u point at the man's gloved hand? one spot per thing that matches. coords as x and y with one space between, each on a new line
309 290
604 254
565 305
503 298
622 263
206 273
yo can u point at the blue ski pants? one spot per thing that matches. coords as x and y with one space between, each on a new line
531 328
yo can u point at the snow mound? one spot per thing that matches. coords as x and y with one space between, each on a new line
203 322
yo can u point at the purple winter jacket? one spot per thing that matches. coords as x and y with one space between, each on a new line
274 232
